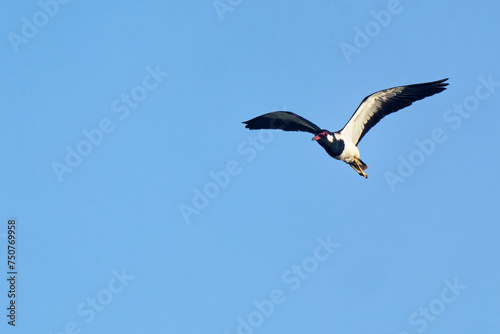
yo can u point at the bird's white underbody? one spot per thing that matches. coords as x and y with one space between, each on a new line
350 151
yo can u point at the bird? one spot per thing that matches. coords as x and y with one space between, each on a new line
343 144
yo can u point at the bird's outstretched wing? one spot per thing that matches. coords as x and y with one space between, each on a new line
283 120
380 104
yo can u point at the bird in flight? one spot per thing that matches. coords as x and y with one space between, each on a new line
342 144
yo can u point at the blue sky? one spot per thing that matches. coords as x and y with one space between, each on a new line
144 205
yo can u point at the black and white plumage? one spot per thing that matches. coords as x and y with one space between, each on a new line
342 144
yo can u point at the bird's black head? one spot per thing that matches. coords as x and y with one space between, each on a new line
321 134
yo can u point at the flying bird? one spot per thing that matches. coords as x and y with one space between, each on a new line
343 144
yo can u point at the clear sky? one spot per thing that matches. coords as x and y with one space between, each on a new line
142 204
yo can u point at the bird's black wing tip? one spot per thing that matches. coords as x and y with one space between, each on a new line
247 126
442 82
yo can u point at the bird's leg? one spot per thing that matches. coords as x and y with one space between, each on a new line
361 171
358 168
355 168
